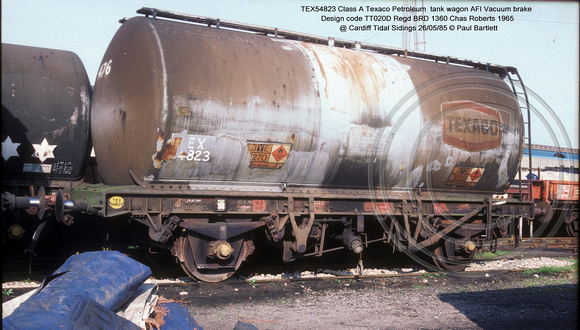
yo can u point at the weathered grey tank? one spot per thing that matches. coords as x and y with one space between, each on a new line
46 98
175 101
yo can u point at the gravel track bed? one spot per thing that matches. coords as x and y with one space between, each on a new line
482 265
491 294
484 300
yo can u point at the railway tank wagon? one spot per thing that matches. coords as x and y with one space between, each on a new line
46 142
208 133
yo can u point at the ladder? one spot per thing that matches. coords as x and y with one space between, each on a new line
521 95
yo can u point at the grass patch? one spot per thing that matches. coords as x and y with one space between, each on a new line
490 255
544 281
554 270
572 260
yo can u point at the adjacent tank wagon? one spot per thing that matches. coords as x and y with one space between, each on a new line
46 140
46 98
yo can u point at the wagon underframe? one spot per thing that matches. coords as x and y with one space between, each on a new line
210 231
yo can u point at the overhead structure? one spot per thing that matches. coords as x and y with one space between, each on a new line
412 39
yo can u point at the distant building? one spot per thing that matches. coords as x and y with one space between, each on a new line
550 163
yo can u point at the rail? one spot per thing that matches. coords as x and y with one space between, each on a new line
292 35
564 243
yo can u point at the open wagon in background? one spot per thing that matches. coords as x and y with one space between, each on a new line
562 198
552 174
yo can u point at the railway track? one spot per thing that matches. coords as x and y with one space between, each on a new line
316 269
564 243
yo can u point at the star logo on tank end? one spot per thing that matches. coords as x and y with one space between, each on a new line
43 150
9 149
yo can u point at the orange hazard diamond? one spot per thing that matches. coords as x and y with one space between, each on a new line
475 175
279 153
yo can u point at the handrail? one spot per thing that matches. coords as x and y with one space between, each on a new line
287 34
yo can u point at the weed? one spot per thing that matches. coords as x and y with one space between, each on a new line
433 275
7 292
252 282
490 255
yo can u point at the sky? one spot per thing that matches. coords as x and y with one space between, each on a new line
542 41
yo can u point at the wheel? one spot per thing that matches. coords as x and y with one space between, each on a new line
193 252
446 258
572 224
572 229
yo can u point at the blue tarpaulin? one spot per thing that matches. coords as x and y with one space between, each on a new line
178 317
82 293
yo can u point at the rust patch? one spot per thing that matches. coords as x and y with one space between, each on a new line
168 153
471 126
440 208
358 74
183 110
381 207
171 148
320 206
158 156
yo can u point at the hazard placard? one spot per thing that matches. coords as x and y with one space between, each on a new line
279 153
268 155
475 175
465 176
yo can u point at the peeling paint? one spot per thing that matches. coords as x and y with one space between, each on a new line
158 155
503 176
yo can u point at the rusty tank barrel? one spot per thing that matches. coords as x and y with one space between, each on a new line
46 98
177 101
